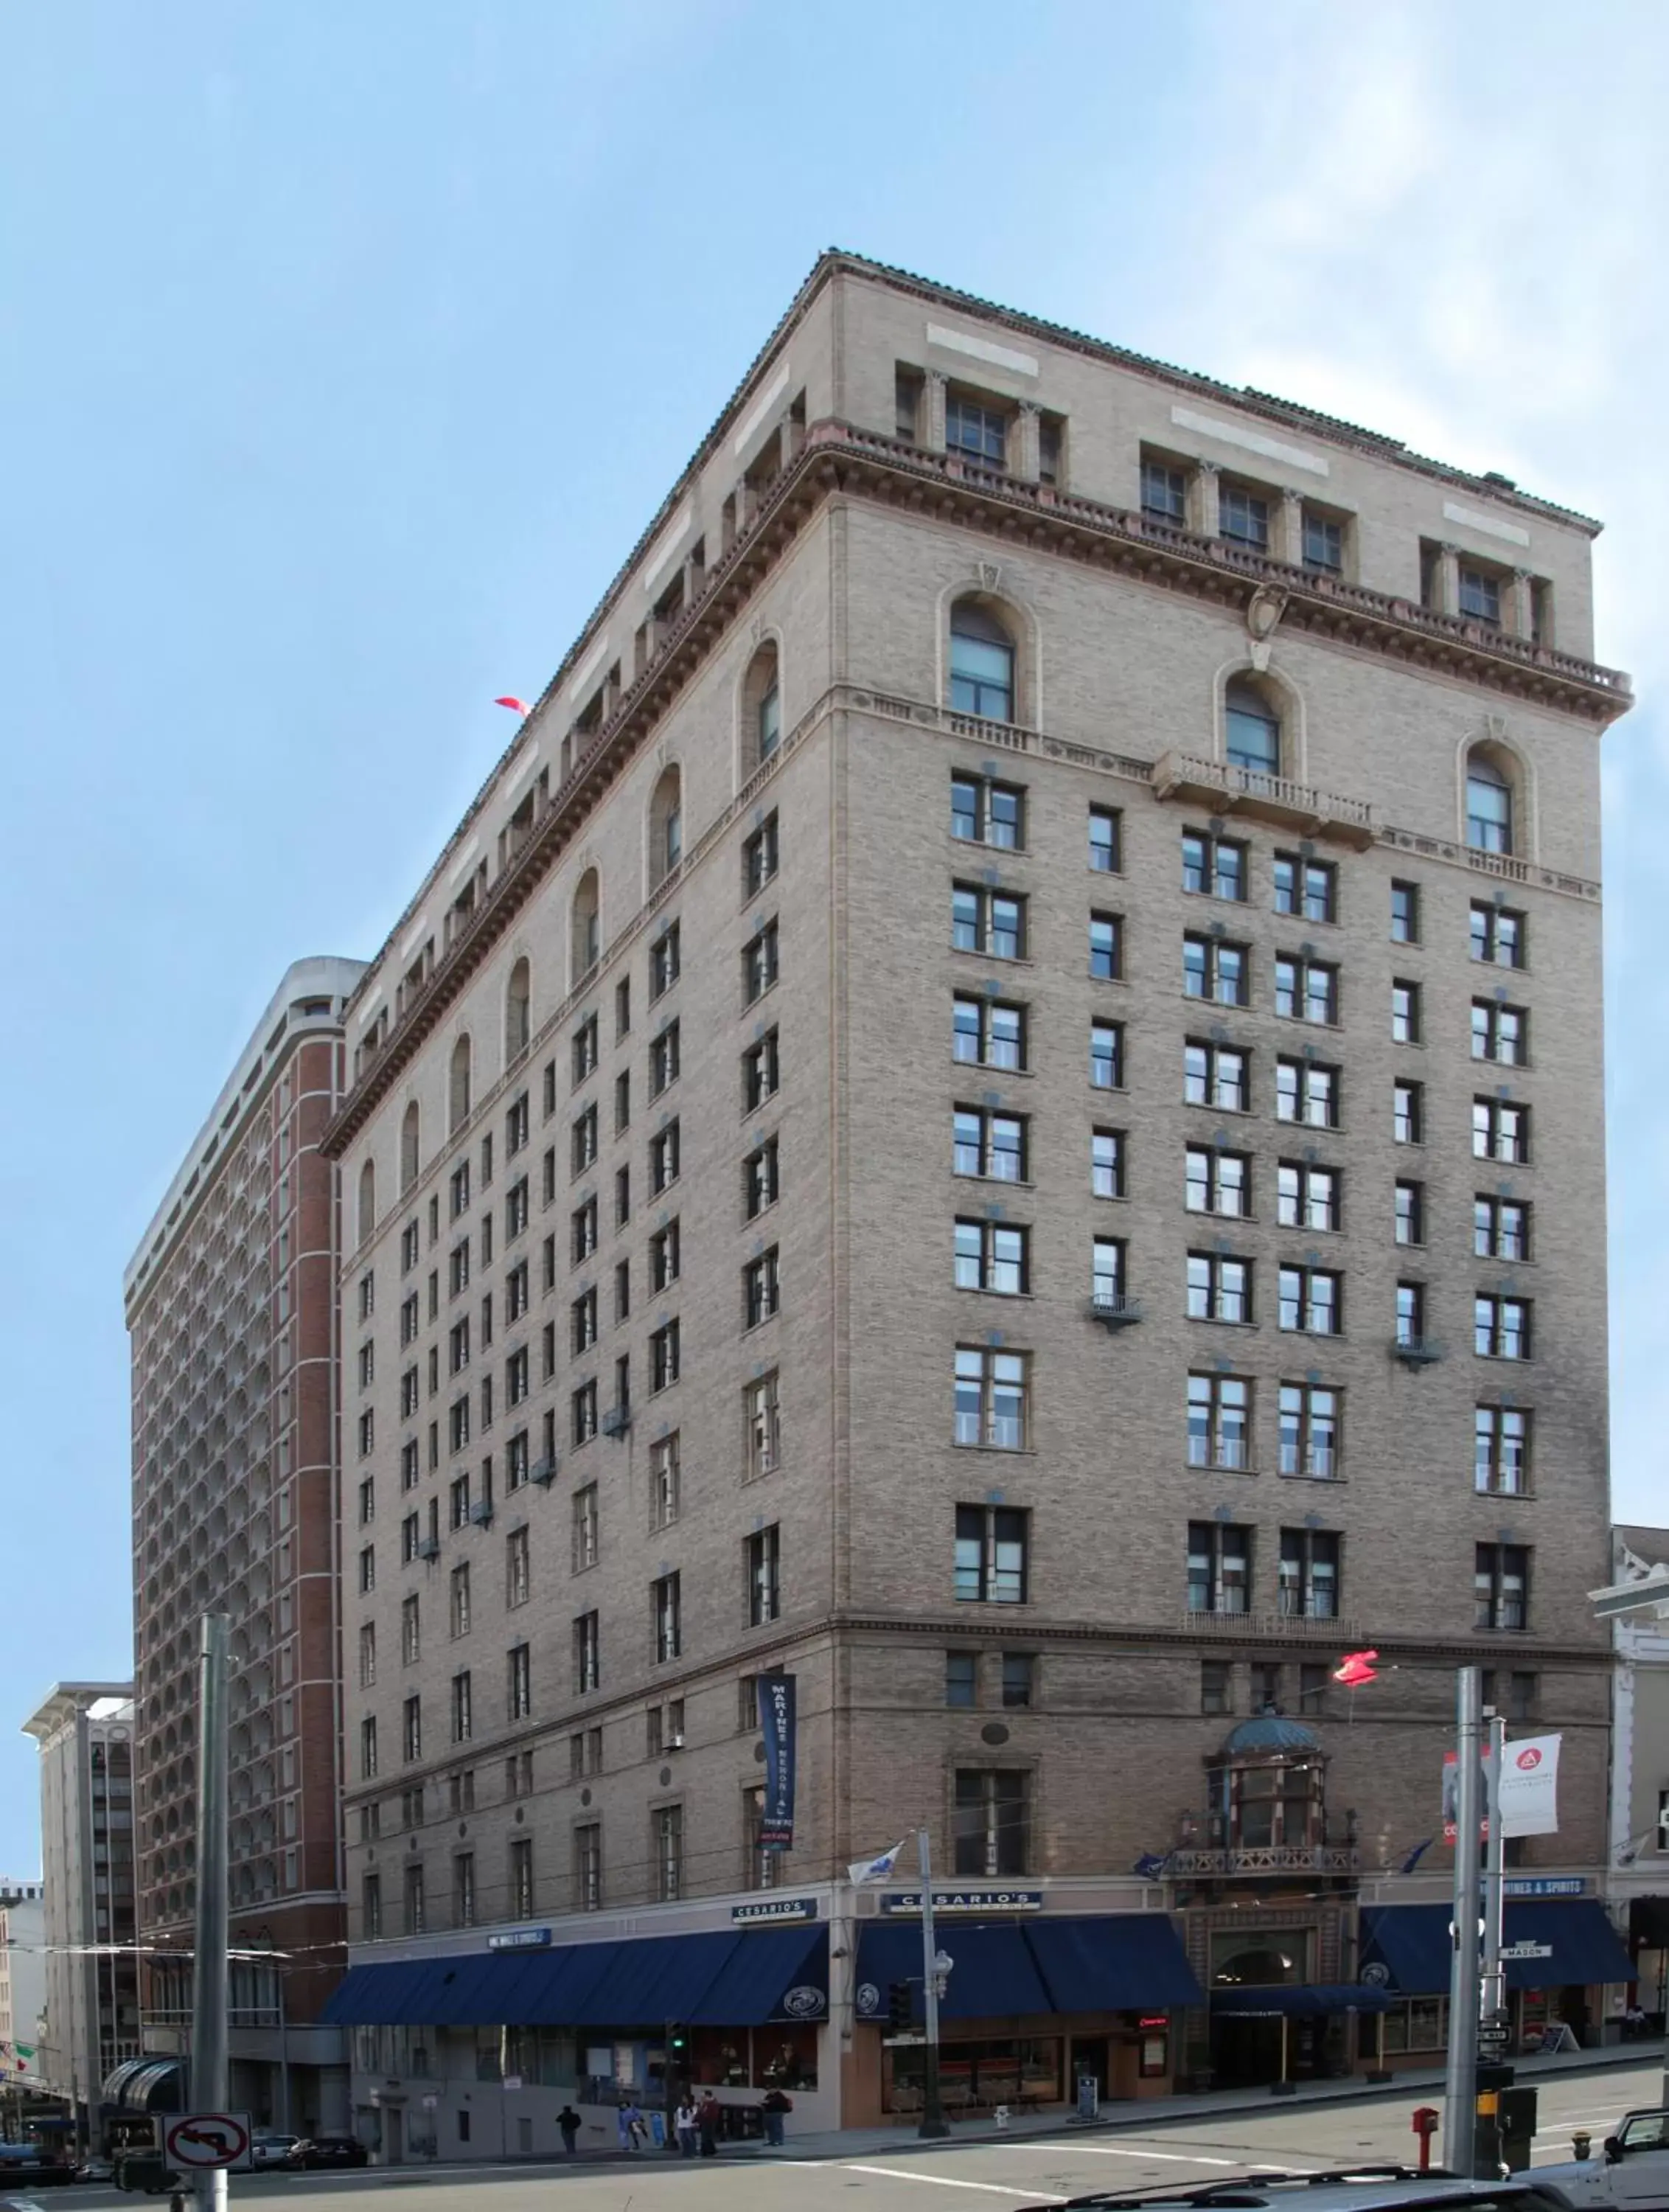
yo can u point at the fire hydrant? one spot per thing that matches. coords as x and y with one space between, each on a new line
1582 2142
1426 2122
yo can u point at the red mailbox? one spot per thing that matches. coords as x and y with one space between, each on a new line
1426 2122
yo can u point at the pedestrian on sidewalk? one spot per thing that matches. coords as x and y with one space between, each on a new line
774 2104
569 2121
629 2121
706 2122
687 2126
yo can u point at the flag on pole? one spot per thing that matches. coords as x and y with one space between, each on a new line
876 1869
1415 1856
516 706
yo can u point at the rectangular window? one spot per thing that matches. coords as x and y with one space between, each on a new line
1309 1431
762 1425
760 858
1497 936
458 1346
368 1570
1404 1013
992 1256
1410 1315
368 1747
1501 1327
1404 913
1219 1421
664 1481
368 1655
961 1678
1501 1130
989 922
663 1258
1106 947
986 1033
667 1824
1218 1182
760 965
1019 1680
1306 990
587 1668
761 1073
1307 887
1105 840
1306 1091
582 1146
1501 1228
1219 1566
991 1398
457 1592
1501 1583
1500 1033
1410 1212
1501 1450
460 1190
1216 1075
367 1432
518 1583
664 1060
584 1049
416 1913
989 1145
409 1538
1107 1055
583 1411
1312 1300
409 1320
1219 1288
1309 1581
764 1563
462 1709
663 1158
991 1825
457 1268
371 1905
622 1197
666 1605
979 432
991 1557
664 962
1216 1681
409 1248
1408 1112
410 1631
586 1527
1164 493
588 1868
1107 1163
1213 867
521 1877
1213 969
1480 596
582 1241
1107 1273
1242 516
582 1321
762 1292
663 1356
1324 544
983 813
518 1683
409 1449
1307 1197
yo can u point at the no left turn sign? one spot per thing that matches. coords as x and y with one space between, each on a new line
206 2139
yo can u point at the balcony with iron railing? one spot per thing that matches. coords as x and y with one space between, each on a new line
1113 1309
1265 1627
1248 1859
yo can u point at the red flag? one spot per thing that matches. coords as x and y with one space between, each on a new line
516 706
1354 1668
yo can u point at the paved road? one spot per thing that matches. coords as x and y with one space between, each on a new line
957 2177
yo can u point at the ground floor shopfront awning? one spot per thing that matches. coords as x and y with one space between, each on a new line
1297 2000
725 1978
145 2085
1407 1948
1018 1968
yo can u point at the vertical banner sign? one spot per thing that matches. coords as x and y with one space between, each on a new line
1530 1787
1451 1792
776 1826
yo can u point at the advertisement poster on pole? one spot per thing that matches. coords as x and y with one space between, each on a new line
1529 1787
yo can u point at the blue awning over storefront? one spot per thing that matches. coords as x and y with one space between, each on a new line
1297 2000
1410 1943
725 1978
1113 1962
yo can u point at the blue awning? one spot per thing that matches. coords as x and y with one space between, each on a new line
773 1973
1118 1962
1297 2000
727 1977
145 2085
995 1977
1411 1943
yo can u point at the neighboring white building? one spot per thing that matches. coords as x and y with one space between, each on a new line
1639 1768
23 1976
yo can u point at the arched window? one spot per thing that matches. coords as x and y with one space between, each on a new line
408 1132
458 1101
1488 806
585 944
665 827
518 1010
761 709
1252 729
367 1200
981 662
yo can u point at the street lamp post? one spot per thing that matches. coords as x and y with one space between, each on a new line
1649 1593
932 2113
1460 2085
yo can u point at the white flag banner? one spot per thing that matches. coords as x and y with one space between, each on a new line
879 1869
1529 1787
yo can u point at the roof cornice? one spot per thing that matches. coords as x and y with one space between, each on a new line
840 460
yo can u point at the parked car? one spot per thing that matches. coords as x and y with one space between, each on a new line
315 2151
26 2164
1633 2173
1350 2189
267 2149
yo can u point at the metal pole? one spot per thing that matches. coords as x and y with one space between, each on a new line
283 2051
932 2114
209 1972
1494 1978
1460 2083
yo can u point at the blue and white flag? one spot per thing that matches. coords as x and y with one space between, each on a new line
1151 1865
876 1869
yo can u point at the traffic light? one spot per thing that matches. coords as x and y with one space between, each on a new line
677 2041
899 2011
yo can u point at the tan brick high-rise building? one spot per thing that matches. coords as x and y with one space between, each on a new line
232 1310
997 1108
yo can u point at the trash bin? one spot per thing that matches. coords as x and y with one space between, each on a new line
1515 2119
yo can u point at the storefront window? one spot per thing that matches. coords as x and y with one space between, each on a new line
1022 2070
487 2055
784 2058
1417 2024
1154 2049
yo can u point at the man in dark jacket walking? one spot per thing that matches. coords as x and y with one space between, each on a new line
707 2118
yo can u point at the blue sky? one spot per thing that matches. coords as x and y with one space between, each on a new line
344 352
